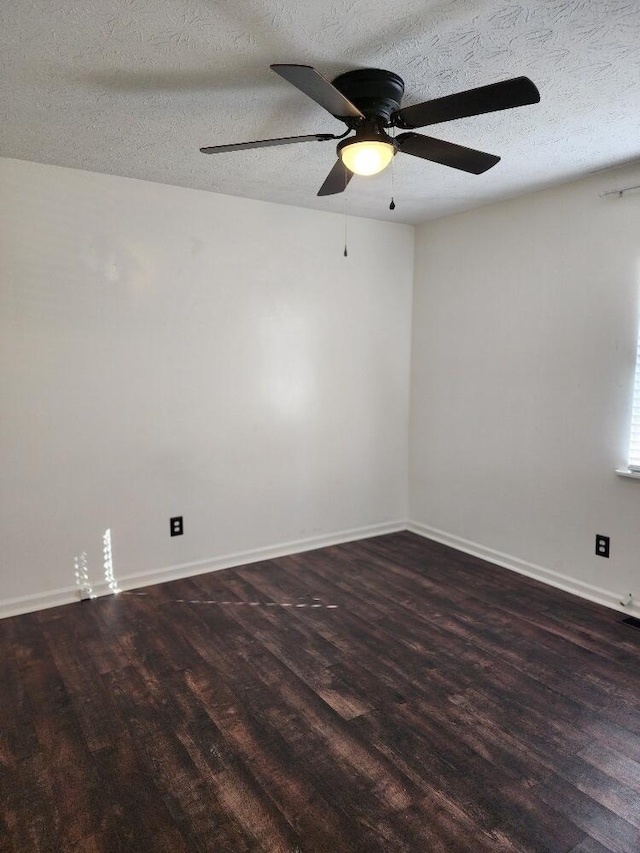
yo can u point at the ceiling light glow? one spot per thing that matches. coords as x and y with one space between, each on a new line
368 157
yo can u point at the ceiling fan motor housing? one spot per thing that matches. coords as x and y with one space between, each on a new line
375 92
368 131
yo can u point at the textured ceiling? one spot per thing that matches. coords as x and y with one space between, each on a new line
135 87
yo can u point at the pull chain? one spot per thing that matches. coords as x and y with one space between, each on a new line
392 206
346 253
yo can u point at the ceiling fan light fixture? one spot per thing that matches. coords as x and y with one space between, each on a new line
366 157
368 100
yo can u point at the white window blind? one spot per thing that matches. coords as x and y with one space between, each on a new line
634 443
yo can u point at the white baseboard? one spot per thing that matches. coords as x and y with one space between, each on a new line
39 601
70 594
507 561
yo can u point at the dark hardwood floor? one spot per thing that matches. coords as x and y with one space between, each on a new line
384 695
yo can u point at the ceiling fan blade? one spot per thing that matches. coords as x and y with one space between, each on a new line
319 89
337 179
446 153
265 143
487 99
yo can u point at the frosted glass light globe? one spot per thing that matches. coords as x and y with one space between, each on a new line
367 158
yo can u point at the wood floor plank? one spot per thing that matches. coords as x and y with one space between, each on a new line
92 705
484 671
619 767
600 823
245 733
590 845
29 809
602 788
301 649
17 733
133 815
557 663
384 696
272 738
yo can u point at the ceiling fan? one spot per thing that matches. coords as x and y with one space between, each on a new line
368 102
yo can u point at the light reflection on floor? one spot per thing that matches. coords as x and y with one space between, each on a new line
316 602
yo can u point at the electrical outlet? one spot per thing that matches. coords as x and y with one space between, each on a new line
176 526
602 545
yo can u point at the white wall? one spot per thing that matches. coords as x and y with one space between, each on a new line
173 352
169 352
524 334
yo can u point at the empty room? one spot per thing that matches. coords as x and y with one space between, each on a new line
320 426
